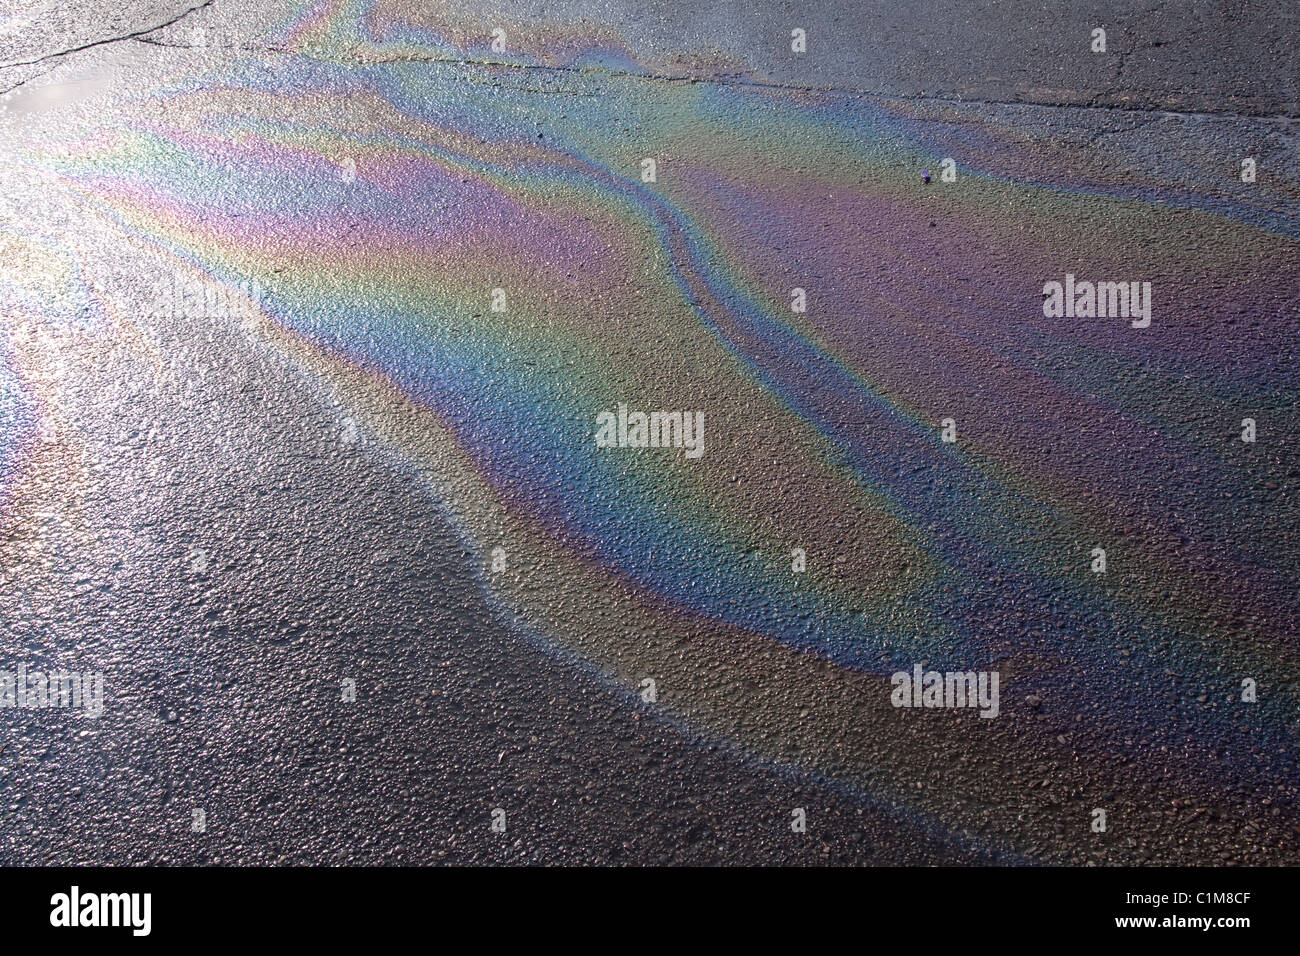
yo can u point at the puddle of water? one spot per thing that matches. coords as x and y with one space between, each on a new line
101 76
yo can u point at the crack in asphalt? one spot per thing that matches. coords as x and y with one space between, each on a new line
848 91
36 76
142 36
107 40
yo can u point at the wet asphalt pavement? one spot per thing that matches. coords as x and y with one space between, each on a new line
240 517
225 611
